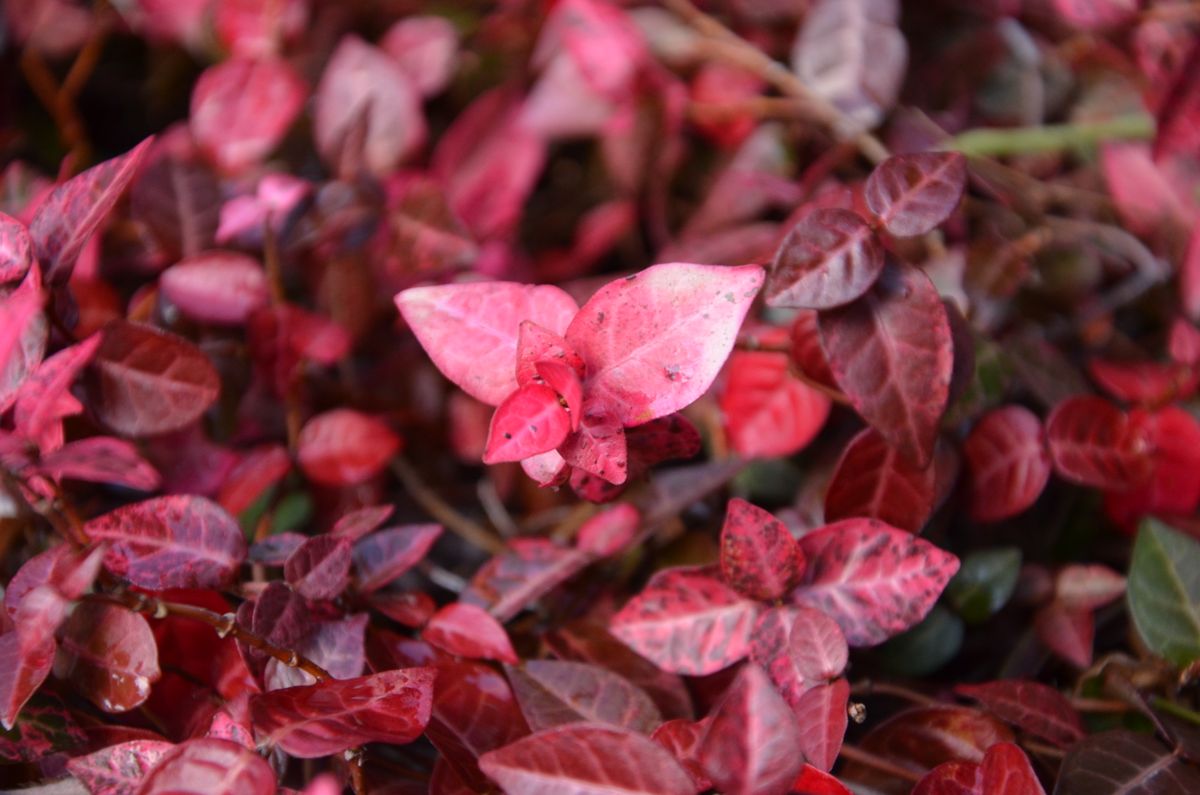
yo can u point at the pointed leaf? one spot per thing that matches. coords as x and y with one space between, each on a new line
118 769
759 557
1068 632
687 623
16 249
873 481
1120 762
27 651
257 471
72 213
361 522
564 380
1094 443
45 399
69 572
1164 592
608 532
874 580
1036 708
537 344
22 336
812 781
586 759
822 717
101 459
470 330
344 447
336 645
180 201
829 258
1007 771
750 746
170 542
109 654
653 342
320 567
554 693
1007 461
1087 587
682 738
220 287
768 411
465 630
912 194
385 555
600 446
511 580
529 422
771 647
892 354
209 766
333 715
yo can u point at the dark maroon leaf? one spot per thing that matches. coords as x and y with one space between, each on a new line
337 645
1094 443
46 727
466 630
1124 762
586 759
109 654
412 609
145 382
1007 461
209 767
320 567
280 616
912 194
344 447
750 746
331 716
359 523
807 354
73 212
118 769
385 555
892 355
532 568
873 481
1067 631
553 693
170 542
759 557
1032 706
829 258
180 202
275 550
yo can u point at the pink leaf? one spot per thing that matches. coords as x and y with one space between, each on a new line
892 355
320 568
220 287
333 715
873 481
874 580
822 717
242 108
16 249
72 213
343 447
600 446
912 194
383 556
564 380
45 399
22 335
1067 631
829 258
1007 771
682 738
426 50
1095 15
68 572
258 470
109 654
537 344
470 330
771 648
547 469
1087 587
258 28
586 759
553 693
750 746
361 522
529 422
101 459
653 342
27 651
759 557
209 766
1008 463
687 623
531 569
146 382
1036 708
468 631
276 549
818 647
118 769
768 411
368 113
608 532
170 542
1094 443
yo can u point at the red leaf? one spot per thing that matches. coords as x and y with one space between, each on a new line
531 569
564 380
1008 463
808 355
68 572
653 342
412 609
72 213
1093 15
118 769
27 651
812 781
258 470
1031 706
368 114
1066 631
1173 486
537 344
1189 278
769 412
425 48
871 480
552 693
170 542
258 27
361 522
145 382
209 767
242 108
344 447
179 200
759 557
468 631
101 459
1144 383
1184 343
771 648
1087 587
1094 443
320 567
750 746
912 194
599 447
16 249
586 759
1006 771
874 580
333 715
529 422
829 258
608 532
110 655
682 737
470 330
924 737
892 355
687 623
220 287
383 556
822 717
952 778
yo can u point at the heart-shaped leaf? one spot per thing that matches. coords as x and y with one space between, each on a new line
911 194
829 258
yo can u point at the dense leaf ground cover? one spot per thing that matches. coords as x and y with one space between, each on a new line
582 397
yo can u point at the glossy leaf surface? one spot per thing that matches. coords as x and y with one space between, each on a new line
829 258
212 767
465 630
1094 443
912 194
110 654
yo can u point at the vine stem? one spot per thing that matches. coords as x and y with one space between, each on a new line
868 687
471 532
1051 137
855 754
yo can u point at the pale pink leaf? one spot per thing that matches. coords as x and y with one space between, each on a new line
465 630
209 766
219 287
426 49
554 693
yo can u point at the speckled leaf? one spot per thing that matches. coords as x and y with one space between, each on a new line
554 692
118 769
873 481
529 422
759 557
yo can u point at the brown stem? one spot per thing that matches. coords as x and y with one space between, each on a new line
439 509
868 687
855 754
223 624
1099 705
1042 749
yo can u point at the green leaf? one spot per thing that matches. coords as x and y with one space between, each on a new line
926 647
984 583
1164 592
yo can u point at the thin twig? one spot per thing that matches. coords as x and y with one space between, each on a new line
855 754
868 687
439 509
